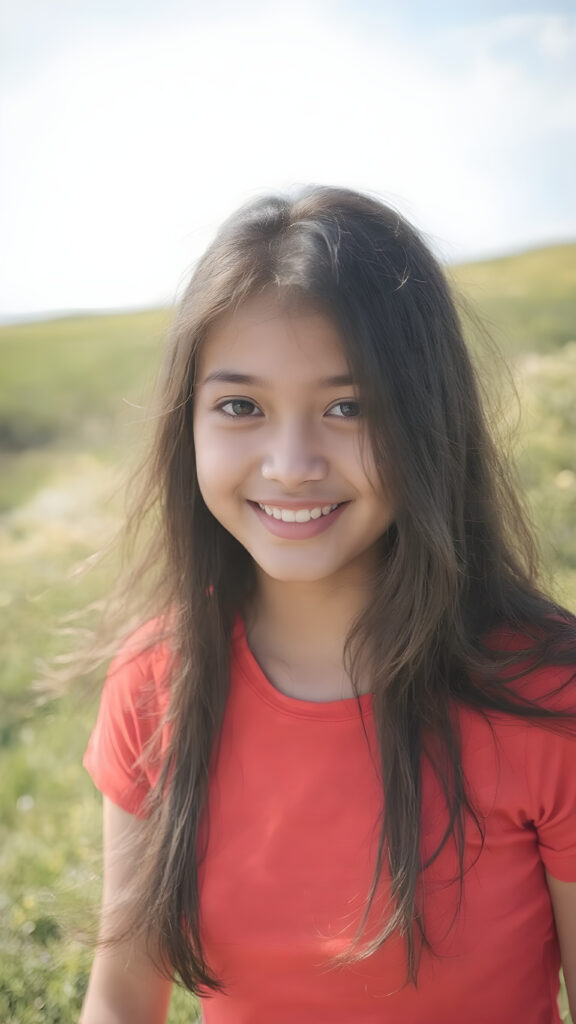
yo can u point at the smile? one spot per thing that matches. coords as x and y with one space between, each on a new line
297 524
297 515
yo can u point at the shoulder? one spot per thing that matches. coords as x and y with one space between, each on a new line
142 667
521 762
526 707
538 668
531 715
126 746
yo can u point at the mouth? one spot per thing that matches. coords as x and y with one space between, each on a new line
299 523
297 515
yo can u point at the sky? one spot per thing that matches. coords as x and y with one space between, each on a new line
130 128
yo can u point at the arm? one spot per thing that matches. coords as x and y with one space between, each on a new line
124 985
563 896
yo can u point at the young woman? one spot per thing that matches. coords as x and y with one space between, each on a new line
339 757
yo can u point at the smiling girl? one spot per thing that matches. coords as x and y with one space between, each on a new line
338 757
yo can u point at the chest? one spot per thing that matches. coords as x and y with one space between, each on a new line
295 815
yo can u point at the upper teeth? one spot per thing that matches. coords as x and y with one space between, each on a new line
299 515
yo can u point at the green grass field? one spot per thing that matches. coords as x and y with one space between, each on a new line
71 395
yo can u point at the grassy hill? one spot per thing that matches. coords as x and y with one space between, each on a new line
528 300
68 385
71 397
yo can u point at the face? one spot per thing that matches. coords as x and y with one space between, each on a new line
282 454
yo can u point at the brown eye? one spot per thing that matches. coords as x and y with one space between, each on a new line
348 409
239 408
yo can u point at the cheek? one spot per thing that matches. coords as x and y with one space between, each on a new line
221 459
364 454
360 459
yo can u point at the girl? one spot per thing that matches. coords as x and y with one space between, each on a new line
338 760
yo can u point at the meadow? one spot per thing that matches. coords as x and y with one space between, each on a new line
72 411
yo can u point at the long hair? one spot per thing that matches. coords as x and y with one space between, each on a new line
458 561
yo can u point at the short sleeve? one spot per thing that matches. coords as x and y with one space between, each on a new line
121 756
551 778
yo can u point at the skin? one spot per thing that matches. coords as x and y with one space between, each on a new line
124 985
289 438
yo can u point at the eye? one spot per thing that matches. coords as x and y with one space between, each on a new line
239 408
348 409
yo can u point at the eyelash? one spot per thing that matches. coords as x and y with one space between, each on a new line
246 401
348 401
236 401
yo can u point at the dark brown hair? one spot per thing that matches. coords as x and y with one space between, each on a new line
458 561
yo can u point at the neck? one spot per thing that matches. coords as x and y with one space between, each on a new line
297 631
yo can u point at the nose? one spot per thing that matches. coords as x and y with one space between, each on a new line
294 457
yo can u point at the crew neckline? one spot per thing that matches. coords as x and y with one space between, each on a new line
344 709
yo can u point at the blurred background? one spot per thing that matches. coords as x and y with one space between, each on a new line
129 130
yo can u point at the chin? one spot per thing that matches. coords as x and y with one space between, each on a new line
294 573
293 577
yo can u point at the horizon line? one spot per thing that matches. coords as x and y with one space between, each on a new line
85 312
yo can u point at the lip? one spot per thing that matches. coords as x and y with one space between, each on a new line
297 531
294 503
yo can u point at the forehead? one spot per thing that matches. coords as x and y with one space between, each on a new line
265 338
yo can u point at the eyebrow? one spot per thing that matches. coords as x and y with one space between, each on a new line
232 377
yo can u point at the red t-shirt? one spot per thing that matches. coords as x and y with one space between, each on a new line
295 804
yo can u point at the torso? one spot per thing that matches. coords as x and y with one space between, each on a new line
295 812
295 803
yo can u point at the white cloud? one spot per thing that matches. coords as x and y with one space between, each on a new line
558 36
123 156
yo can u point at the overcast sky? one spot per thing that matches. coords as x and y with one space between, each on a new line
130 128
